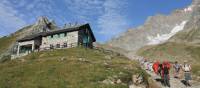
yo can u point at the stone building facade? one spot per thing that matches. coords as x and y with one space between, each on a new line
60 40
66 38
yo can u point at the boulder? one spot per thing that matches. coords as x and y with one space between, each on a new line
108 57
107 81
137 79
118 81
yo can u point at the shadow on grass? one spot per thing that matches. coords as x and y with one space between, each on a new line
159 80
185 83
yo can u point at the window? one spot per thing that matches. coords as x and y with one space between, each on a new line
62 35
65 45
58 35
51 46
57 45
48 37
65 34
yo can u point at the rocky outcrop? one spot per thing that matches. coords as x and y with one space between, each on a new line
42 25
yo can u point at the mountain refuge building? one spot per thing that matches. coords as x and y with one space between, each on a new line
58 39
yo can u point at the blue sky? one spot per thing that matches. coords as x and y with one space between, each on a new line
107 18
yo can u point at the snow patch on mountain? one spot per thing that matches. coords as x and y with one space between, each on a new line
164 37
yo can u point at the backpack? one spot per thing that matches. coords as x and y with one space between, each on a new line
177 67
166 69
160 67
187 67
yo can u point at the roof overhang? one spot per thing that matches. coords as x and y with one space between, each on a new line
43 34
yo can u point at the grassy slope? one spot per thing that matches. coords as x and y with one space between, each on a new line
174 52
6 42
45 70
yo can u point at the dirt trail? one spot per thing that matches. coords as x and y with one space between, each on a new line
175 83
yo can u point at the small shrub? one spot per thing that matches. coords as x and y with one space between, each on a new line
5 58
145 76
33 56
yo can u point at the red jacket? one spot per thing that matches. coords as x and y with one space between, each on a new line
167 64
156 66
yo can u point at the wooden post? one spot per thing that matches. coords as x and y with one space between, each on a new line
33 47
18 49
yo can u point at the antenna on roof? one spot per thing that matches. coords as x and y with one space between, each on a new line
69 25
76 23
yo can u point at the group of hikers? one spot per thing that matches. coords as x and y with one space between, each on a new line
163 70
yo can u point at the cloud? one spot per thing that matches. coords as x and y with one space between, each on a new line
31 10
107 14
111 24
85 9
112 21
9 20
15 14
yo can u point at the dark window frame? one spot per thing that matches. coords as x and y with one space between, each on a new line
65 45
58 35
65 34
51 46
57 45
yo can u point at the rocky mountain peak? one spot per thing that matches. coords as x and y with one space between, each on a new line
155 29
195 2
191 32
42 20
43 24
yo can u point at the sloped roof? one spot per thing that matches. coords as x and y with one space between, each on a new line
81 27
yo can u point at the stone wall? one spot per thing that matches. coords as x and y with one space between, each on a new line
70 38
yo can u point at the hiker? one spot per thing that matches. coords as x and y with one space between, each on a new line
187 68
142 61
160 69
155 66
151 66
165 73
177 68
146 65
